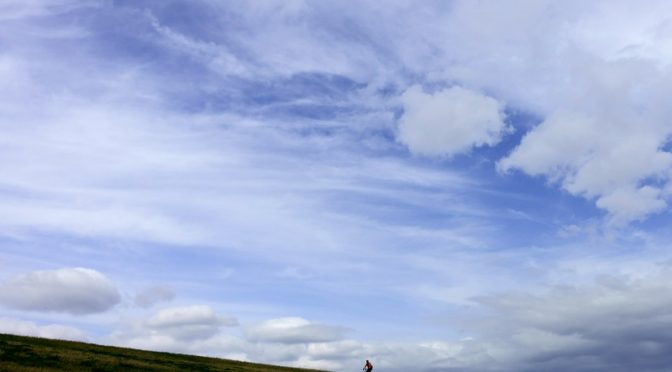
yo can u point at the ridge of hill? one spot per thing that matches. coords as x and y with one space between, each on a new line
28 354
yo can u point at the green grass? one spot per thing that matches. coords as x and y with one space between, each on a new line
19 353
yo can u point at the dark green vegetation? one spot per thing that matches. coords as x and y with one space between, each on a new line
19 353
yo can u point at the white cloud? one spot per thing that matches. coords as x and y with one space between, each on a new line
563 140
191 322
25 328
199 330
450 121
75 291
596 81
180 316
293 330
187 329
631 203
153 295
598 158
620 322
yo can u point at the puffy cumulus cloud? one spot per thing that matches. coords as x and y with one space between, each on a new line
334 356
176 329
153 295
220 345
25 328
320 355
596 77
449 122
293 330
285 341
191 322
75 291
630 202
619 163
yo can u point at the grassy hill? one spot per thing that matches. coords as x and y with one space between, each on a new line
19 353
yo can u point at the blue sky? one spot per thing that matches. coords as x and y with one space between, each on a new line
451 185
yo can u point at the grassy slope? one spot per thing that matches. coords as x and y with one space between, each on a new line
19 353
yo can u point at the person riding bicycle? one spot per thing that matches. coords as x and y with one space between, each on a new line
368 367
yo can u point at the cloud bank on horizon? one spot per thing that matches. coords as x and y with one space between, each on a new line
451 185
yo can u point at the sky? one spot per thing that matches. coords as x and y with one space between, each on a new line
433 186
